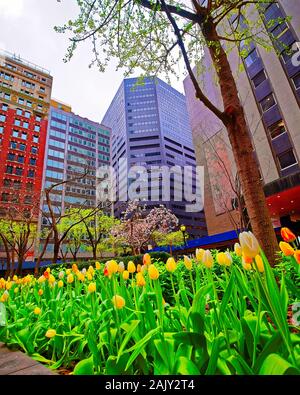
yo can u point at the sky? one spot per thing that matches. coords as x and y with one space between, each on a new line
27 29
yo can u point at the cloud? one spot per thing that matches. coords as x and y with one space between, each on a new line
11 8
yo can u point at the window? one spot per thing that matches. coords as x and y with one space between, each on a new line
2 118
19 171
17 184
34 150
15 133
27 114
4 197
21 100
28 199
19 112
30 173
38 118
29 186
259 78
251 58
9 169
7 96
13 145
35 139
287 159
24 136
4 107
296 80
287 53
17 122
42 89
21 159
11 156
267 102
280 29
29 103
37 128
32 161
22 147
1 129
277 129
7 182
25 125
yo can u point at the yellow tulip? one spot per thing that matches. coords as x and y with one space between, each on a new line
199 254
286 248
50 333
51 279
259 263
8 286
60 284
92 288
91 269
112 267
4 297
48 270
40 292
68 271
74 268
249 244
121 267
153 272
37 311
131 267
98 265
187 262
70 278
140 280
80 276
171 265
118 301
139 267
16 290
15 278
89 276
208 259
41 279
126 275
147 259
238 249
224 258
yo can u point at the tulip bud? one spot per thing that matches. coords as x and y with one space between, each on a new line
92 288
74 268
153 272
139 267
98 266
187 262
40 292
70 278
238 249
140 280
249 244
171 265
50 333
287 249
61 275
37 311
121 267
147 259
259 263
199 254
287 235
60 284
112 267
131 267
118 301
126 275
224 258
208 259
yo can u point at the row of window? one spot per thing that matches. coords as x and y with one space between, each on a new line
18 171
7 197
54 163
58 125
20 158
22 147
16 184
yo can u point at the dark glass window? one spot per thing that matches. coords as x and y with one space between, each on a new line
21 159
267 102
22 147
7 182
251 58
279 29
277 129
17 184
4 197
9 169
259 78
34 150
11 156
287 53
296 80
19 171
30 173
13 145
32 161
287 159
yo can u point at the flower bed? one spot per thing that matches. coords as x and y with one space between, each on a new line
219 313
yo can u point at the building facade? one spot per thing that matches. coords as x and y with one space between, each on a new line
25 91
150 128
75 148
269 90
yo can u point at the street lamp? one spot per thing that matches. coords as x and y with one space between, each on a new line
183 230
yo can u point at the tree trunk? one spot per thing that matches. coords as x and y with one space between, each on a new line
242 148
55 251
94 247
20 264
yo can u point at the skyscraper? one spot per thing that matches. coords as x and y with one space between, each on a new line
269 90
75 148
25 91
150 127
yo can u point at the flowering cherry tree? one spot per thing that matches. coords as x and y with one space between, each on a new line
138 225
